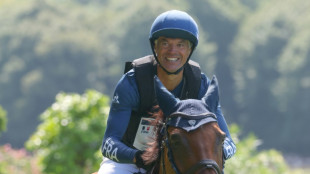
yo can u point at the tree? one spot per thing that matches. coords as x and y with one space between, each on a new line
270 59
3 119
45 48
69 138
259 51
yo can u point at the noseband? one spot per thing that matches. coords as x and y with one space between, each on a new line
203 164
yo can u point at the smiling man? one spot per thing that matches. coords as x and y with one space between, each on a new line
172 54
173 38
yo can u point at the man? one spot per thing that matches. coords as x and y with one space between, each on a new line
173 38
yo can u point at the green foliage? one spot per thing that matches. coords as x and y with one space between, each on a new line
17 161
45 48
270 62
249 160
259 51
3 119
70 133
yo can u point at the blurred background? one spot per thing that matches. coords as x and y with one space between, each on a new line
259 50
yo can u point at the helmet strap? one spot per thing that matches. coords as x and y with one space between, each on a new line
171 73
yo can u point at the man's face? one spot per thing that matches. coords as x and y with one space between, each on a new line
172 53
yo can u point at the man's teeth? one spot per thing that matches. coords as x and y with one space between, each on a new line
172 59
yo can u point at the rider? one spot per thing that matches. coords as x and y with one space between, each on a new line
173 38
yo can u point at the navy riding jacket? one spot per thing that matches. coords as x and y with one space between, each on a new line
125 100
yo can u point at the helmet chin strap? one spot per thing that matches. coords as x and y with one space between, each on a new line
172 73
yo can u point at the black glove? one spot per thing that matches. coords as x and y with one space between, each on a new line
139 160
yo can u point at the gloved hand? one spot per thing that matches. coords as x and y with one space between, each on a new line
139 160
229 148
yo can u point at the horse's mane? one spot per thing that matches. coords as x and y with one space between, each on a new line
151 154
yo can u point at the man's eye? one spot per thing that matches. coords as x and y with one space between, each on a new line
181 45
164 44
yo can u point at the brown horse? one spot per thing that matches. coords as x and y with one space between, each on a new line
189 139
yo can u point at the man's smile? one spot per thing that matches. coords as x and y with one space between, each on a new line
172 59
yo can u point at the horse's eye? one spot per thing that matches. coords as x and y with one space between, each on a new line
176 140
223 139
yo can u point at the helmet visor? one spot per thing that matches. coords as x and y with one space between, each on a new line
174 33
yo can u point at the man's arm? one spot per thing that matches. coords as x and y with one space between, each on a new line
125 99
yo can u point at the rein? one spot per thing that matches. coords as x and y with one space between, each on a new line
203 164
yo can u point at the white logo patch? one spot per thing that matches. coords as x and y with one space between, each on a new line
109 150
192 122
115 99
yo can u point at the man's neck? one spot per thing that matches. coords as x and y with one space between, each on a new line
169 81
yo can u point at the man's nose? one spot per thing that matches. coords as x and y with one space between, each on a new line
172 48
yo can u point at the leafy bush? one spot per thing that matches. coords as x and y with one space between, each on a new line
249 160
71 133
69 137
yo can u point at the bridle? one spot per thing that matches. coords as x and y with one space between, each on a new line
203 164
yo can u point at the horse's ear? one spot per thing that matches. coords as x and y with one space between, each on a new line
211 98
165 99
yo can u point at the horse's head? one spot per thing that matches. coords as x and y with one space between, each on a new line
194 140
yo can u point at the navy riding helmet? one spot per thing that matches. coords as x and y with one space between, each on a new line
174 24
